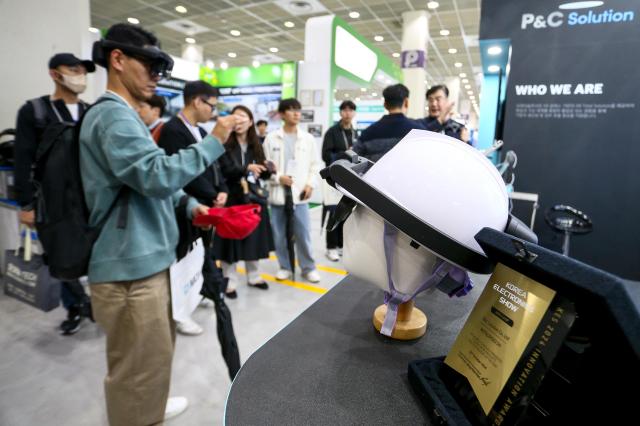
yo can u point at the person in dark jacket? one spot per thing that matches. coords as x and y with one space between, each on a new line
341 136
243 166
338 139
261 126
69 76
377 139
440 110
210 188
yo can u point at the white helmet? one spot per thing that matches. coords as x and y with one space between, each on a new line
438 193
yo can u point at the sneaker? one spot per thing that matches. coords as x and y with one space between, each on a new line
188 328
176 405
283 274
312 276
333 255
261 285
206 303
73 322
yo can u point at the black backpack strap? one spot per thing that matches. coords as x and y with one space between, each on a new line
123 196
122 200
39 111
124 207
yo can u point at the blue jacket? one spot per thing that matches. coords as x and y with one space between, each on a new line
377 139
116 150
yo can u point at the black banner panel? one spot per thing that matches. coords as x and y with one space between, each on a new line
572 116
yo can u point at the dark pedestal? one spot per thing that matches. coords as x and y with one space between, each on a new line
330 366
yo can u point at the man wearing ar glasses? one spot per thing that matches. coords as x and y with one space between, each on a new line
129 266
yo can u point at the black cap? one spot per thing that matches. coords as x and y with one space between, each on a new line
347 104
70 60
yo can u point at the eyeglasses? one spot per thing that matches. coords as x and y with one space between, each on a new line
213 107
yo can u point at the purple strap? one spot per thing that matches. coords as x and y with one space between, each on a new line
393 298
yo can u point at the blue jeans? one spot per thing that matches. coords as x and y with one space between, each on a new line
302 234
72 293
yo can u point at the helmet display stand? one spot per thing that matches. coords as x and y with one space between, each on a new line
411 322
407 223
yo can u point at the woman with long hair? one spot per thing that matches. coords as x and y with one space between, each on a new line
244 166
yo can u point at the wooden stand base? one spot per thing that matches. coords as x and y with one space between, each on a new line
410 324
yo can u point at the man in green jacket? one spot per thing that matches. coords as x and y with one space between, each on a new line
129 267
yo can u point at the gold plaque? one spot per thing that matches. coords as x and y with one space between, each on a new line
497 332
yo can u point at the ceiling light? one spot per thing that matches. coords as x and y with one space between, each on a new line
354 15
289 24
465 80
363 89
224 65
133 20
469 92
493 68
209 64
378 38
494 50
395 54
462 75
94 30
433 5
472 97
232 54
444 32
467 86
181 9
273 49
234 33
580 5
425 82
458 65
374 94
190 40
357 99
255 63
346 95
452 50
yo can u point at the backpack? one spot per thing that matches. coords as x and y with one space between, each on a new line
62 216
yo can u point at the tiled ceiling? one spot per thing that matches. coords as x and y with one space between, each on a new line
261 26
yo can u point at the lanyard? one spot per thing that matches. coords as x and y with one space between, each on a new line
185 119
344 136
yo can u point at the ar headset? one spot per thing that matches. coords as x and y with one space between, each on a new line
160 64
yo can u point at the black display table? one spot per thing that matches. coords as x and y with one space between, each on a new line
330 366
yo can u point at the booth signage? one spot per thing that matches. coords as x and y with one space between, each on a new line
413 59
572 106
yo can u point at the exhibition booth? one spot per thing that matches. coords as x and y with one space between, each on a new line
492 284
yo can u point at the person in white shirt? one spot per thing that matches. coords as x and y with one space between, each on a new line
295 156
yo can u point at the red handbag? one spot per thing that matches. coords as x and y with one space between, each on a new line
235 222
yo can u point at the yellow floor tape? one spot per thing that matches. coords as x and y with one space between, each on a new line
298 284
319 267
294 284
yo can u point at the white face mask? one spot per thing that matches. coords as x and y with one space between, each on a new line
76 83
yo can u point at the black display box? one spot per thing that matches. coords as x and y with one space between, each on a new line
594 377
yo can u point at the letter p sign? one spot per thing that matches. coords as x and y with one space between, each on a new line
413 59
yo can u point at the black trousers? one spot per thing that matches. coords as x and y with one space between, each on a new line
334 238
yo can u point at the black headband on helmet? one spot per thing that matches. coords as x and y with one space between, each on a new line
159 62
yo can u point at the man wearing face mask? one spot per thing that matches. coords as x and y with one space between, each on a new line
69 75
